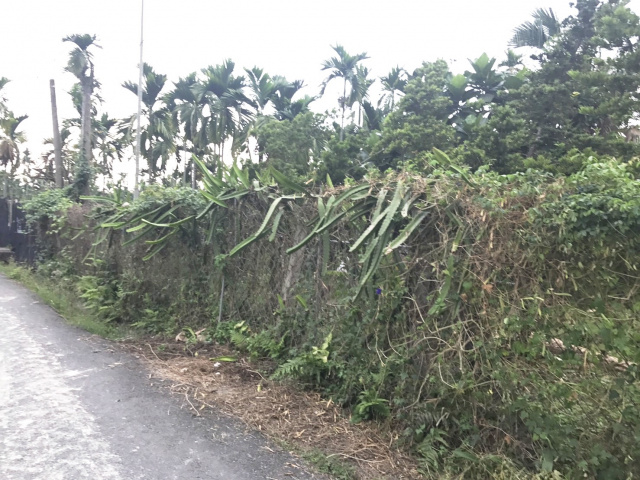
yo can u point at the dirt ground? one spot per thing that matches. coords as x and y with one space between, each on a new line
302 419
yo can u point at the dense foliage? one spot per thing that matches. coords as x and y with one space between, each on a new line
492 318
458 259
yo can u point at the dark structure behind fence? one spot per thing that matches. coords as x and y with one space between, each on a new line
14 234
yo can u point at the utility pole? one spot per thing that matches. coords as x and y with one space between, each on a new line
136 188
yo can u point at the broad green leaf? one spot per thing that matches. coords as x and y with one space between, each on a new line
321 207
302 302
329 182
465 454
444 292
206 173
242 176
393 208
326 245
149 228
155 252
387 216
276 223
442 158
260 231
381 196
136 228
283 181
407 205
457 240
162 239
144 233
236 194
351 192
224 359
370 229
329 223
304 241
375 262
406 232
241 245
113 225
210 207
169 225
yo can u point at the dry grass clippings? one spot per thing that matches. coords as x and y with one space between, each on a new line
279 411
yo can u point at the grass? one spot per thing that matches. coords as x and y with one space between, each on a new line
62 300
338 469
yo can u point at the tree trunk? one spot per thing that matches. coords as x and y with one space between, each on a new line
344 104
193 168
184 165
532 147
10 204
57 143
83 170
87 90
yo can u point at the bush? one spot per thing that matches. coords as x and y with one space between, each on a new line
491 318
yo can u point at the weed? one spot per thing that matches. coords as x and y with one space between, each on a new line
62 301
370 407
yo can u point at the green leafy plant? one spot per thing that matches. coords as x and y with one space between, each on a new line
309 366
370 407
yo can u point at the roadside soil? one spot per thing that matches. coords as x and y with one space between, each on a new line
302 420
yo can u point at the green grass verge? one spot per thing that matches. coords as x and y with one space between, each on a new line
331 465
62 300
335 467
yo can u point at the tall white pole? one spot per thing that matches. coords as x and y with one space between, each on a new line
136 188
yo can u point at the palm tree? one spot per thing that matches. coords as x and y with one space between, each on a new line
285 107
393 84
48 157
222 94
535 33
360 89
374 116
187 116
80 64
272 97
343 66
157 136
262 88
11 138
9 146
512 62
108 137
3 100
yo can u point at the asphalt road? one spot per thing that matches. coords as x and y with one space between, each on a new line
73 406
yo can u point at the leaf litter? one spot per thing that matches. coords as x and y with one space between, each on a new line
280 411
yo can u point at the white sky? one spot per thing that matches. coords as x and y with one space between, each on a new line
285 37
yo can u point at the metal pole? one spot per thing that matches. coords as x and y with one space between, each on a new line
136 188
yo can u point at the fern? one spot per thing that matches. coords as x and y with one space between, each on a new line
295 367
238 340
310 366
432 448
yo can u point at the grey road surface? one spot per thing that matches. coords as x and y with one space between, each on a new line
74 407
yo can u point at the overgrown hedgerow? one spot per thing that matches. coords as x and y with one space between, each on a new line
499 333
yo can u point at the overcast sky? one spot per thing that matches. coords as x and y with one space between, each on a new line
285 37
